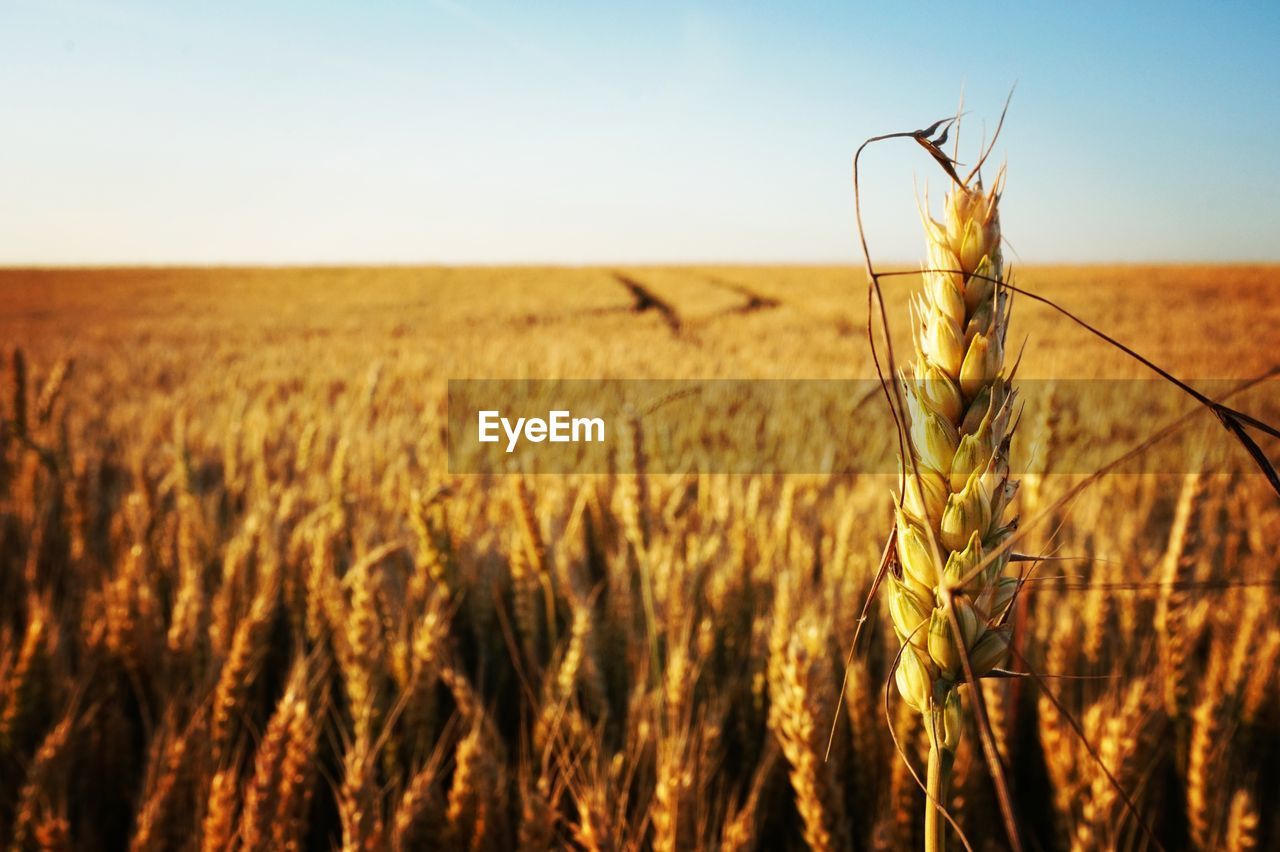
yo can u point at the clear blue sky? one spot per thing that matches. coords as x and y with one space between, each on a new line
453 131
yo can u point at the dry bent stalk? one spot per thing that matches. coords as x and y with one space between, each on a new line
950 518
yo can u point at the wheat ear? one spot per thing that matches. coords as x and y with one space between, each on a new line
950 524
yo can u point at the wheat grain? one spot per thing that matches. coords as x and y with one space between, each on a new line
476 802
219 822
238 672
1242 823
802 691
1171 623
360 799
261 796
420 812
1203 762
950 518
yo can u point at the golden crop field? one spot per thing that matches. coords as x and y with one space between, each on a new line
245 604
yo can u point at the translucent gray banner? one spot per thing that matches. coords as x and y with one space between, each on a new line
819 426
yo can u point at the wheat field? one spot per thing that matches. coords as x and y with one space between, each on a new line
245 604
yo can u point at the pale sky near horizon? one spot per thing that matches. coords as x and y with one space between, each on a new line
459 132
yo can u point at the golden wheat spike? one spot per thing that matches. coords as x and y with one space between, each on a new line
950 516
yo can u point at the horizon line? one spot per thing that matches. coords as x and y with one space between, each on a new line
559 264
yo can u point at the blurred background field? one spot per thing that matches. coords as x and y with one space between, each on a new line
242 599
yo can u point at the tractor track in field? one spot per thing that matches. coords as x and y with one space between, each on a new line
754 301
645 300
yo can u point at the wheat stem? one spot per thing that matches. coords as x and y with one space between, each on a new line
937 782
